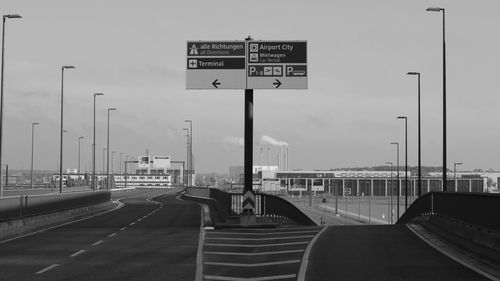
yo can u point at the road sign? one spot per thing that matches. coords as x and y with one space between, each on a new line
277 65
246 65
216 65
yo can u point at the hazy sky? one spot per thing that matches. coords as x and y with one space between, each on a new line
358 56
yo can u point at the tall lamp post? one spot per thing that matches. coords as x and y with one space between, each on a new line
32 149
397 177
121 153
79 144
187 155
62 122
406 160
390 194
419 180
11 16
93 147
107 158
437 9
455 174
190 168
113 162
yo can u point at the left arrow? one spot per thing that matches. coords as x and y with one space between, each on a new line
215 83
277 83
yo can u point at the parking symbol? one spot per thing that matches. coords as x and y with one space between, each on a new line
254 57
254 47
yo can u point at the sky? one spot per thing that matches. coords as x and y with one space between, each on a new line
359 52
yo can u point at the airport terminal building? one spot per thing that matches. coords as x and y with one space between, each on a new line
361 183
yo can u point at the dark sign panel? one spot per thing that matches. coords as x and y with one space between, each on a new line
215 49
277 52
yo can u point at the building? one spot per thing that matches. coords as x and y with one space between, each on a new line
360 183
151 171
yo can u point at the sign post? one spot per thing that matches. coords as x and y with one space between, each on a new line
248 65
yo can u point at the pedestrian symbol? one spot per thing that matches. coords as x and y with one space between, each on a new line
194 50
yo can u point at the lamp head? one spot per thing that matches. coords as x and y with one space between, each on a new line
395 143
98 94
68 67
434 9
81 137
35 123
402 117
12 16
111 108
413 73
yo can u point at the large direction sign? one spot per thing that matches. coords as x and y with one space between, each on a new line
246 65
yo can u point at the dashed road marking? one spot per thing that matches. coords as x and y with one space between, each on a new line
252 264
265 278
132 223
253 254
47 268
123 228
257 246
261 238
97 243
77 253
112 234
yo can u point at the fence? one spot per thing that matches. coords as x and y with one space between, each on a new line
30 205
477 209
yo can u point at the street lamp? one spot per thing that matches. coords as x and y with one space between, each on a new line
190 166
406 160
11 16
32 149
187 155
79 143
120 163
93 148
397 176
419 181
437 9
62 120
107 159
112 162
455 174
390 191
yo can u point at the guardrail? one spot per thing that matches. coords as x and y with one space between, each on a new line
30 205
266 205
481 209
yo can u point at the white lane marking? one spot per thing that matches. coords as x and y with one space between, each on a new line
132 223
268 233
252 264
139 219
77 253
305 258
97 243
112 234
254 254
265 278
47 268
261 238
123 228
257 246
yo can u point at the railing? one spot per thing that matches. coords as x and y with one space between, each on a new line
30 205
475 208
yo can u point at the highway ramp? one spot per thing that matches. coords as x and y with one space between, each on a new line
144 240
382 252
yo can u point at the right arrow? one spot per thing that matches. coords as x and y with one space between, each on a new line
215 83
277 83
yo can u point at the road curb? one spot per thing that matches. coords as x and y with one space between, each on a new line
301 276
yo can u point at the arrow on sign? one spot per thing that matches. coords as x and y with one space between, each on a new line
277 83
215 83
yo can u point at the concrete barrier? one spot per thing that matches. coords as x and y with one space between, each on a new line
30 205
22 226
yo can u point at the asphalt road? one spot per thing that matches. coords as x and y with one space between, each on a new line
382 253
143 240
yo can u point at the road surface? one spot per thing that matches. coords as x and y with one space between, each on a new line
144 240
